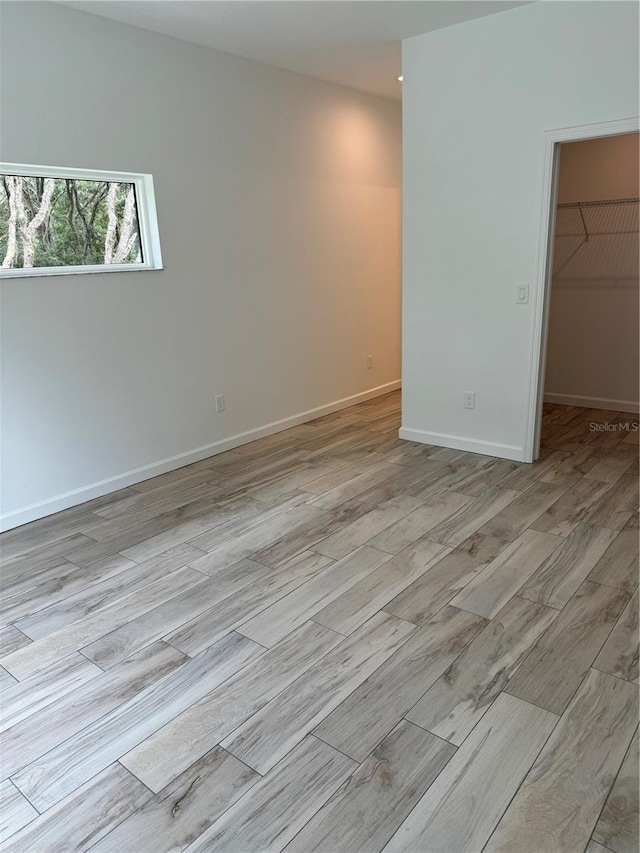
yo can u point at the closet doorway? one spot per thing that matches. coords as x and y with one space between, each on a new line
589 366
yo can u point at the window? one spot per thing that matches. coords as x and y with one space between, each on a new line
57 221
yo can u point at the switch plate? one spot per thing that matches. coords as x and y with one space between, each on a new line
469 400
369 362
220 404
522 294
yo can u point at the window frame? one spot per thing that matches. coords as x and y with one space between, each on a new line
146 210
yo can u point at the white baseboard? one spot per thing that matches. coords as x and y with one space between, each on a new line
55 504
593 402
456 442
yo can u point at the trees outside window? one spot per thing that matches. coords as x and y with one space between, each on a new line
58 222
54 221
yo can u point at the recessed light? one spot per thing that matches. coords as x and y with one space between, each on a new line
400 78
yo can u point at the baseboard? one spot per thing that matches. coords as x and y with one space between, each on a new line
17 517
592 402
456 442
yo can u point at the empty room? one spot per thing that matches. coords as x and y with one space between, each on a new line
319 426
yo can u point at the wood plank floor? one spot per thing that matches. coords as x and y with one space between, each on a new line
332 640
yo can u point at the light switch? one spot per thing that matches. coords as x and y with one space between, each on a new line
522 294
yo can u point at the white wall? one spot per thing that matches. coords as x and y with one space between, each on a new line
477 100
279 212
599 169
592 353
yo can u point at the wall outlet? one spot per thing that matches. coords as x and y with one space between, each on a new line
469 399
369 362
220 404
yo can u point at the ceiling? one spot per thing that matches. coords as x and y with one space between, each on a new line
354 43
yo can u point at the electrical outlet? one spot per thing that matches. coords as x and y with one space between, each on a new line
220 404
469 400
369 362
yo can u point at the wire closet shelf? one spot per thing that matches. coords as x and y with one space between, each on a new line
597 240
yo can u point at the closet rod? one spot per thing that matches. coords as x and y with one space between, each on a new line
599 203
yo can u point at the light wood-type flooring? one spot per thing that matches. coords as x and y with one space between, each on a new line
332 640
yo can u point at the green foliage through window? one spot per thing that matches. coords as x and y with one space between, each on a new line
61 222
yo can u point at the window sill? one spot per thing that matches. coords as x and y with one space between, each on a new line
38 272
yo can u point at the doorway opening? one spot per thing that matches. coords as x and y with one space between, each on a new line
587 320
